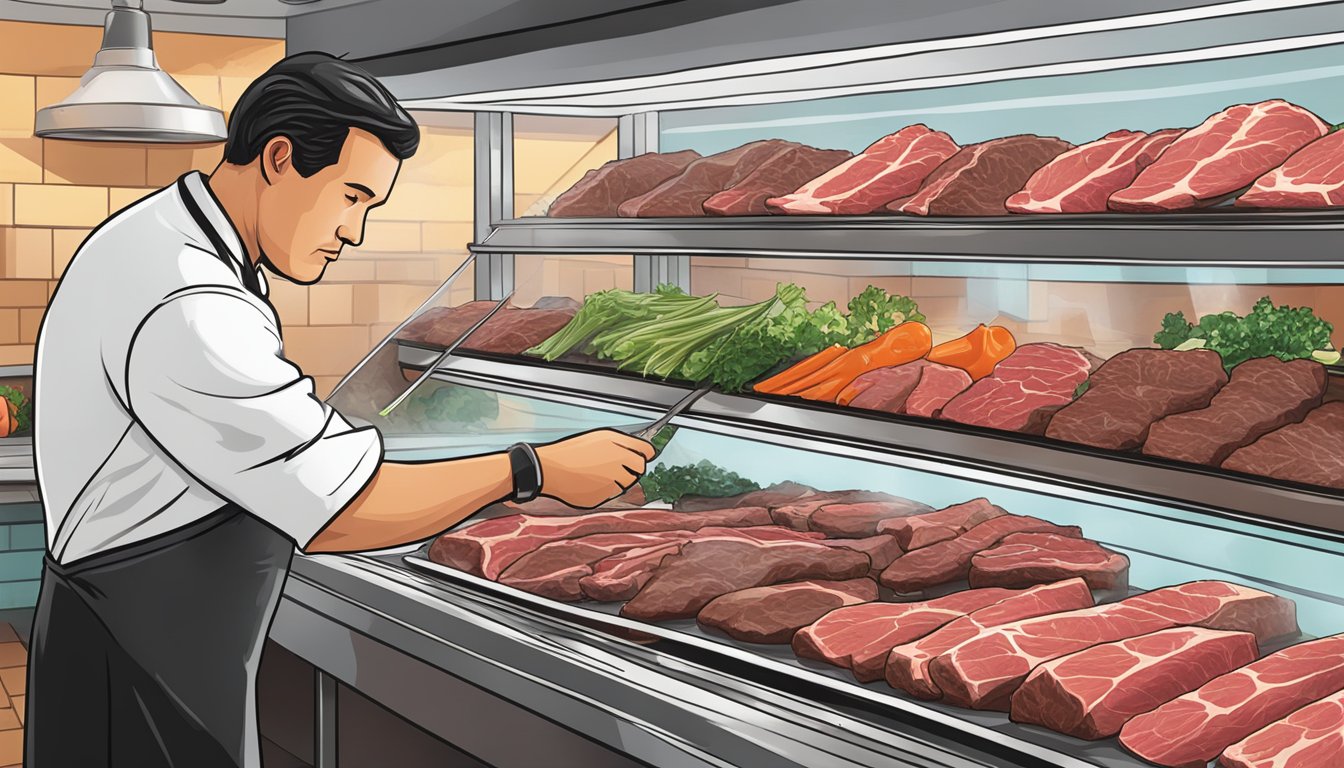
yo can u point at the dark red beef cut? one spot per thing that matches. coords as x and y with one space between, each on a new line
908 665
779 494
703 570
938 384
685 194
1133 390
488 547
622 575
1082 179
510 332
983 672
553 570
919 388
1035 376
773 614
1261 395
891 167
1310 452
919 531
1195 728
779 175
1064 695
1312 178
545 506
1024 559
798 514
860 519
1222 155
1310 737
859 637
951 560
601 191
980 178
881 549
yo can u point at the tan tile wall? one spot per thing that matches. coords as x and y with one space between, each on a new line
52 192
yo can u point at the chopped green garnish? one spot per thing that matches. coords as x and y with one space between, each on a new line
1284 332
24 419
670 483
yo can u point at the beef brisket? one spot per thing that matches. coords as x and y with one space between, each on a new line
1082 179
980 178
685 193
602 190
778 175
773 614
950 560
919 531
1024 559
1310 452
1033 377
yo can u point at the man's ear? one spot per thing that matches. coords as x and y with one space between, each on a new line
277 157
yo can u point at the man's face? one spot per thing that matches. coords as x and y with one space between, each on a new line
303 223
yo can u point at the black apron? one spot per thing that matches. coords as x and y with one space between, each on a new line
147 655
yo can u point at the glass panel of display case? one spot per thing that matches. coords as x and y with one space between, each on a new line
550 154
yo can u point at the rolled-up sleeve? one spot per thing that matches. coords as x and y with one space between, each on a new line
207 379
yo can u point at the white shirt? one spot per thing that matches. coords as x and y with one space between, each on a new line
162 391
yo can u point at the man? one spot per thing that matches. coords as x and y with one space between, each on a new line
182 458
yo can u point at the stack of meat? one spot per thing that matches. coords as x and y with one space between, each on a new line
987 610
1271 154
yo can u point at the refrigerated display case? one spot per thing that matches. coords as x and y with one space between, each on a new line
679 692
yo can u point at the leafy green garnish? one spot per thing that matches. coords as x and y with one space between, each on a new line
670 483
459 405
1284 332
24 418
874 312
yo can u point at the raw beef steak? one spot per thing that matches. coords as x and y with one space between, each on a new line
881 549
951 560
703 570
979 178
908 665
853 521
553 570
1310 452
777 495
1312 736
545 506
1082 179
859 637
773 614
621 576
510 332
797 515
1225 153
779 175
892 167
1133 390
685 194
983 672
602 190
919 531
1092 693
488 547
1312 178
1195 728
938 384
1035 376
1261 395
1024 559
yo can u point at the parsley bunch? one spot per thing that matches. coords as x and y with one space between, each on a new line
1284 332
24 418
670 483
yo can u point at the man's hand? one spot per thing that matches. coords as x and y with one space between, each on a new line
588 469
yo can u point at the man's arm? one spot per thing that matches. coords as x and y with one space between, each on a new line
404 503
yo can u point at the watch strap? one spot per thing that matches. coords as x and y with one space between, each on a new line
526 472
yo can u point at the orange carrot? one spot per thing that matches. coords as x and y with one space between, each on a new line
800 369
977 352
903 344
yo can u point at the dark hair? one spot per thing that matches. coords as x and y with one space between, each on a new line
315 99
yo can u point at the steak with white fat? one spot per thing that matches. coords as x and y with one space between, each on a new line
1225 153
950 560
1192 730
1032 378
919 531
1024 559
1310 737
983 672
1312 178
1082 179
980 178
1093 693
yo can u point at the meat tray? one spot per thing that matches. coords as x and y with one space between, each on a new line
779 666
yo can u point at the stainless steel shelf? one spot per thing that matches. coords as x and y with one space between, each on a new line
1209 238
427 647
921 443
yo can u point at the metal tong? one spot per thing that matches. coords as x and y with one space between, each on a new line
649 432
444 355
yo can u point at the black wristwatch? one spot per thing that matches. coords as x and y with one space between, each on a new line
526 472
